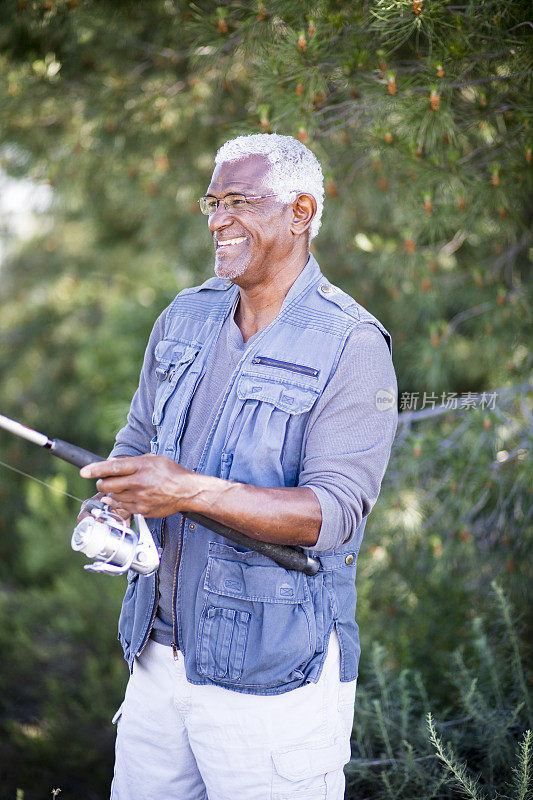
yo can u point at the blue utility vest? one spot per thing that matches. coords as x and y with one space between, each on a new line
242 621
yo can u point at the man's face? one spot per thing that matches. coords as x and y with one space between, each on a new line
249 239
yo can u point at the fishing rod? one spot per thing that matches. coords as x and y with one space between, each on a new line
117 547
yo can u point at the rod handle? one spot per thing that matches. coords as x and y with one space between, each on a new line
285 556
72 453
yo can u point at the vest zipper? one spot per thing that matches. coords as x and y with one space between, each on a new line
273 362
174 586
156 601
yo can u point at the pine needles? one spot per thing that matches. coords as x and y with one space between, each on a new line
522 783
458 771
480 749
523 777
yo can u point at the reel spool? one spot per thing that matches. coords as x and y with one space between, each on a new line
114 546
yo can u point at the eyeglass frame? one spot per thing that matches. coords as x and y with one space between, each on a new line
231 194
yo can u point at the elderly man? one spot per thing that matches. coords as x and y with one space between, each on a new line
267 402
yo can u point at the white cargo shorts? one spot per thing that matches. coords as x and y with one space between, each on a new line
178 741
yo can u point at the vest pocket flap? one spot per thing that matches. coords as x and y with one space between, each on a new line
296 764
170 353
236 575
289 396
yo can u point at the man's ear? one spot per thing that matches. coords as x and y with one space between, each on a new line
304 209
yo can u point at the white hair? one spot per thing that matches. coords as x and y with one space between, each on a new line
294 168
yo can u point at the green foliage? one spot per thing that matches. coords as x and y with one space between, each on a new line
523 772
62 673
454 514
466 785
481 749
418 111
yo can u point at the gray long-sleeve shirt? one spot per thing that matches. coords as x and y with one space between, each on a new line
346 452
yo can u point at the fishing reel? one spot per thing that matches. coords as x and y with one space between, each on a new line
113 544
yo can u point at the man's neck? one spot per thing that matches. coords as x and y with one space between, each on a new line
260 304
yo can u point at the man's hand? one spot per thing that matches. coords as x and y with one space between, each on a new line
156 486
153 486
122 512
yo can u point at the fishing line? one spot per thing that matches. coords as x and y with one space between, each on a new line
99 535
48 485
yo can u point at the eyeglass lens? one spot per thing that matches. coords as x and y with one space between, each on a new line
232 202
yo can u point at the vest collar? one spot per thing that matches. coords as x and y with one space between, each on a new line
309 275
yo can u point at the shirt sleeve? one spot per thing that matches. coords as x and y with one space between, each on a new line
135 437
350 435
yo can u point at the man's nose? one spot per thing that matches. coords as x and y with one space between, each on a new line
220 219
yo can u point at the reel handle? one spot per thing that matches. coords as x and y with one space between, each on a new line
91 505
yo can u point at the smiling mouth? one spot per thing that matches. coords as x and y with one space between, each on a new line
229 242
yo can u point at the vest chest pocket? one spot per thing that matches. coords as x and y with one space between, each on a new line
291 396
257 449
174 357
250 609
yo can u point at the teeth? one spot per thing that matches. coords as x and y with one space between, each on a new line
227 242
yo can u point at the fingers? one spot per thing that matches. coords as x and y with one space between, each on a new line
111 467
125 508
111 480
114 506
148 484
118 509
115 485
84 513
122 497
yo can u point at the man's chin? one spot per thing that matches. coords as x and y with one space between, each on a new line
230 270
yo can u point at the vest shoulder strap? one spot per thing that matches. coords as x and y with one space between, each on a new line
351 308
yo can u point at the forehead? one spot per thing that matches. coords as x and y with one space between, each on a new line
244 175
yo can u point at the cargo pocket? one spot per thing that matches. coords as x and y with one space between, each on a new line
346 706
300 773
249 609
221 628
173 358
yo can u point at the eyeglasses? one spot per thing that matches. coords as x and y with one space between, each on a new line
232 202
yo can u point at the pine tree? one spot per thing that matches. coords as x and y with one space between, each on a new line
420 113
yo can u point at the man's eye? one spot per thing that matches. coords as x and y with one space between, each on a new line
236 202
211 204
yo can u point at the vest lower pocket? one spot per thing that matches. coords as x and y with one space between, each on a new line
223 636
256 626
